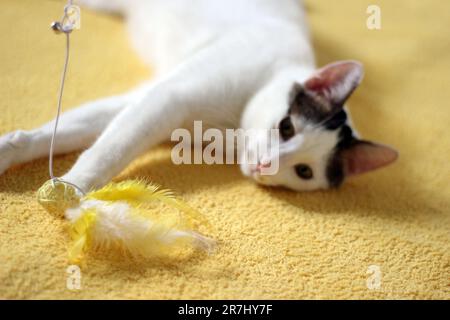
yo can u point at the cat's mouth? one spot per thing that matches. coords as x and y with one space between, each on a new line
257 169
256 172
251 170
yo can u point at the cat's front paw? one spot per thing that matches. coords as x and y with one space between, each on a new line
12 145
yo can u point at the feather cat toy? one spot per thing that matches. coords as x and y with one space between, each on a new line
119 214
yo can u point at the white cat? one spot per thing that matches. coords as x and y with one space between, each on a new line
248 64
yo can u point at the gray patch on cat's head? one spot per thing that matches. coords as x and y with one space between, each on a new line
308 105
315 109
335 167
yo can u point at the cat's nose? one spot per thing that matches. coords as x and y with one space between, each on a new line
264 165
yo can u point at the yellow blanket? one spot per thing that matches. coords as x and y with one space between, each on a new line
382 235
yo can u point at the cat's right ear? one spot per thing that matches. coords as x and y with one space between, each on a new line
364 156
336 82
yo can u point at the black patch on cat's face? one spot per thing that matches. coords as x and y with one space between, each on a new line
336 121
335 171
331 117
335 167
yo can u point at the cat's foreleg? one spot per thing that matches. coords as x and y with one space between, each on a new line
167 105
134 130
78 129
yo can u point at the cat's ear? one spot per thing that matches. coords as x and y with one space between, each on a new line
336 82
365 156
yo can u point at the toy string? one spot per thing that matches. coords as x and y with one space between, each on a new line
58 113
66 27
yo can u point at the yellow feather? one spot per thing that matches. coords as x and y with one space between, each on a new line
137 192
81 234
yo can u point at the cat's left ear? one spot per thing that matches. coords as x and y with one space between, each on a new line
364 156
336 82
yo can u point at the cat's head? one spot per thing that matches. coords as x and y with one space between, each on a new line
318 147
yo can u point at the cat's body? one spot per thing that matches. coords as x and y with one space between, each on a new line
228 63
225 37
176 30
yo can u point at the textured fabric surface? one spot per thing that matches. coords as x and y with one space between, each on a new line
272 243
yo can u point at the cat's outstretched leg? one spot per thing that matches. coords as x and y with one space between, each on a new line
78 129
133 131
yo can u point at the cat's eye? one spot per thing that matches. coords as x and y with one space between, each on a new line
303 171
286 128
